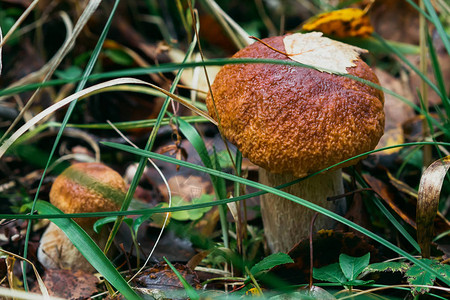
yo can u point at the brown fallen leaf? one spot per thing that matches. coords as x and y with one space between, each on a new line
397 112
387 14
162 277
388 197
69 285
428 201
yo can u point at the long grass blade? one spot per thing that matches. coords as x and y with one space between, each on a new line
438 75
190 291
148 147
83 93
439 28
390 217
56 60
83 242
288 196
89 10
218 183
140 212
408 63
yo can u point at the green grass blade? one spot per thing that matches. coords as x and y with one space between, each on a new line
408 63
288 196
218 183
89 249
390 217
87 72
140 212
437 23
149 145
190 291
424 13
203 205
438 75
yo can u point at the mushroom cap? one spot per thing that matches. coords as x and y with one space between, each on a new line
88 187
291 119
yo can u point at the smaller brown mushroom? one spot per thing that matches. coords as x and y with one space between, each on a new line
81 188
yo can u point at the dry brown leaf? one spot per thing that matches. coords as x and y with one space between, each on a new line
324 54
70 285
428 201
387 196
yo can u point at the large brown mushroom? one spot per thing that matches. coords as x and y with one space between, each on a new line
293 121
81 188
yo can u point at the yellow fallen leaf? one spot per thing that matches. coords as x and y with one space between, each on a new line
347 22
324 54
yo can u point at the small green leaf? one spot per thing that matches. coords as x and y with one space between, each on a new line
98 225
418 276
181 215
190 291
138 222
72 72
195 214
330 273
353 266
387 267
271 261
119 57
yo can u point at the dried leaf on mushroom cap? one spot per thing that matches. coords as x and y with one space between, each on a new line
324 54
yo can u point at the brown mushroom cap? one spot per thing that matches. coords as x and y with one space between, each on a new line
88 187
290 119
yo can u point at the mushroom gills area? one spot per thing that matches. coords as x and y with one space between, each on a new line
287 223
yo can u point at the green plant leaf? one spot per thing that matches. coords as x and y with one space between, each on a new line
195 214
83 242
416 275
100 223
119 57
330 273
390 266
138 222
271 261
71 72
190 291
353 266
182 215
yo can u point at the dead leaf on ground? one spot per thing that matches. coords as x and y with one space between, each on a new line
162 277
397 112
342 23
428 201
357 213
387 14
69 285
388 197
172 247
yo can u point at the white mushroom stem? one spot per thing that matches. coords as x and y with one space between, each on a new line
56 251
287 223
